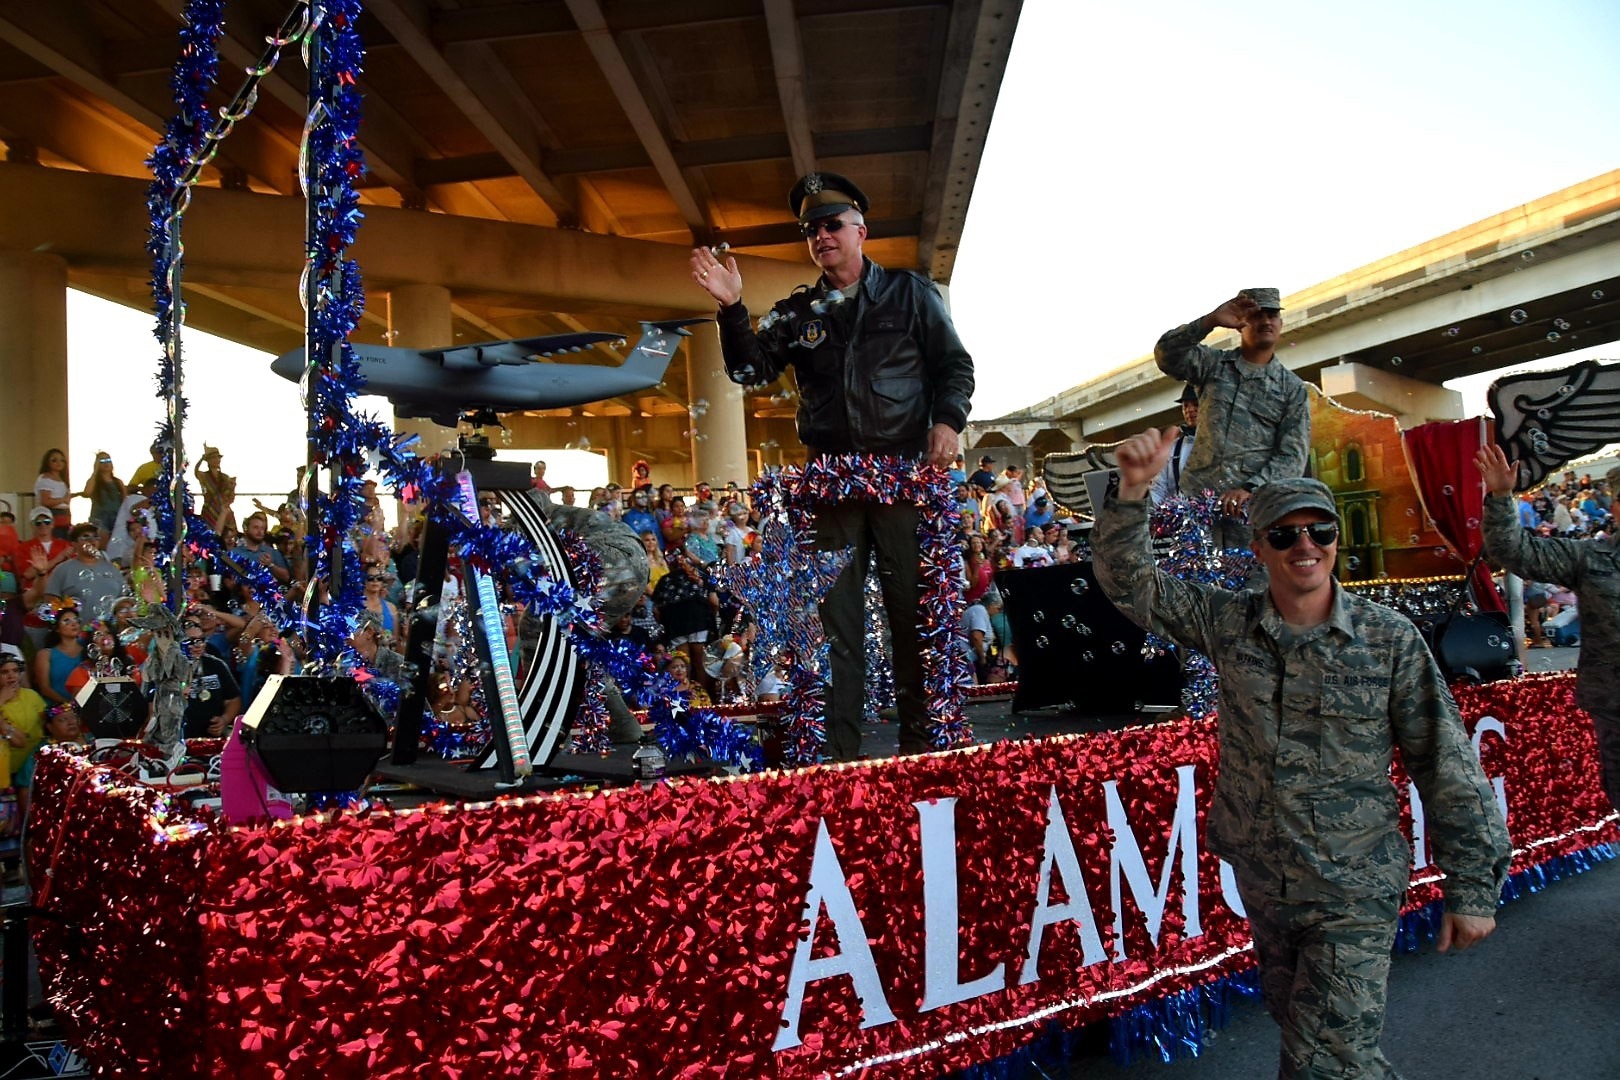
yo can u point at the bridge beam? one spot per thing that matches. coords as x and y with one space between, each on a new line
1410 401
100 223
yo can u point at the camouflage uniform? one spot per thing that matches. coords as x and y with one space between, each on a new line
1304 809
1592 569
1254 421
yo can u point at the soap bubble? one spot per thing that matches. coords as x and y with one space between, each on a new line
1527 255
1518 315
1088 656
1395 360
1042 642
1452 331
1118 648
1039 615
1448 490
1079 586
1552 335
1562 324
1597 294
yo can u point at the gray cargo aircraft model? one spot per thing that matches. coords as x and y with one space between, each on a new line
475 382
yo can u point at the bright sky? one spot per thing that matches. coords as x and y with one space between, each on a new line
1144 162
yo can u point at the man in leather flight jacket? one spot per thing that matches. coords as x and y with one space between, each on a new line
880 371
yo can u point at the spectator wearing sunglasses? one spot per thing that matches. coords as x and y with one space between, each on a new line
1318 688
1255 421
1591 568
880 371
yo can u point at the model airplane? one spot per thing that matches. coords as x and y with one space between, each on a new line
475 382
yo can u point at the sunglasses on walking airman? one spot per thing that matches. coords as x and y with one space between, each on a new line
1322 534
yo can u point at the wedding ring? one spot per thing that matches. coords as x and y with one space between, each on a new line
705 273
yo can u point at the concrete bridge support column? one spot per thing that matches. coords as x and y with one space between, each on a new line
33 368
719 435
421 320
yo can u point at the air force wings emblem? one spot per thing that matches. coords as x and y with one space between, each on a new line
1545 419
812 332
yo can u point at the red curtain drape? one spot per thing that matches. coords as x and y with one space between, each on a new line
1441 459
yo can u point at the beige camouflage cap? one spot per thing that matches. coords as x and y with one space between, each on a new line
1280 498
1267 299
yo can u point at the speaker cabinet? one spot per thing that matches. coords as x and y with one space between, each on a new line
1076 651
315 734
112 708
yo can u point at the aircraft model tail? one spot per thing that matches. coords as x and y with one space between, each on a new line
659 340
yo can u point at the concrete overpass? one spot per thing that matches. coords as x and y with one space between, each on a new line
1531 282
535 166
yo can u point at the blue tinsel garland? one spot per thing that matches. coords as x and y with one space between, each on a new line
194 73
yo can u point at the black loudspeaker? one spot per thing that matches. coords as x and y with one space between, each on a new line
315 734
1075 650
112 708
1477 647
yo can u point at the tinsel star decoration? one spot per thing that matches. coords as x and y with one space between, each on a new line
782 588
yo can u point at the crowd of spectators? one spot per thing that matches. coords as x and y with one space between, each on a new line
1573 508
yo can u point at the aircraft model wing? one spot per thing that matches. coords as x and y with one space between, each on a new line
517 351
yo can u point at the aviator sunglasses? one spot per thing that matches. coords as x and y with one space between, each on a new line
1322 534
809 228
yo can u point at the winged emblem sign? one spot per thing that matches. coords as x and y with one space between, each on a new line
1547 418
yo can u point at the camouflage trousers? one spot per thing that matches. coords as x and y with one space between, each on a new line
1323 970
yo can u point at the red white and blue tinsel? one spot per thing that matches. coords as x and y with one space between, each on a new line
782 589
590 727
879 671
1182 542
899 481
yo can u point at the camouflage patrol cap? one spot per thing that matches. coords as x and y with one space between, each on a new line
1265 299
822 194
1280 498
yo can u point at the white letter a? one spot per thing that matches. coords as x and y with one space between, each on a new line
1059 855
829 890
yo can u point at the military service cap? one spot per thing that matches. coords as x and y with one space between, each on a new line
1265 299
822 194
1280 498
